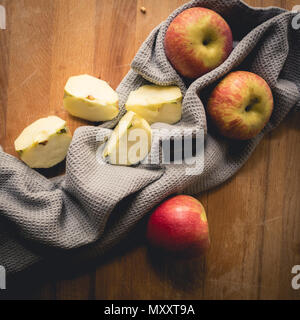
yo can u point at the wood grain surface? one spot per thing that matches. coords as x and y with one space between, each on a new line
254 218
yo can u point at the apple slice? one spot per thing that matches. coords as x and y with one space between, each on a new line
90 98
156 104
44 143
130 142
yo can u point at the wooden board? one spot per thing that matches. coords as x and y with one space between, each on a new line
254 218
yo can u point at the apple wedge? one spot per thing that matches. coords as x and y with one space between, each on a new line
130 142
156 104
90 98
44 143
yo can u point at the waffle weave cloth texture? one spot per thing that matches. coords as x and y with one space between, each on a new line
93 206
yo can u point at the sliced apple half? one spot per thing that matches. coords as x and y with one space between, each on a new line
156 104
44 143
90 98
130 142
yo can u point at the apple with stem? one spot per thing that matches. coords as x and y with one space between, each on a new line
197 41
241 105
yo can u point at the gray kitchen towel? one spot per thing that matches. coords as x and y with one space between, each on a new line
94 205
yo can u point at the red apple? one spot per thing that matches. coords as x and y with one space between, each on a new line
197 41
179 225
241 105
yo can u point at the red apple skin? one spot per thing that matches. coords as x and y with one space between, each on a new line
179 226
241 105
185 42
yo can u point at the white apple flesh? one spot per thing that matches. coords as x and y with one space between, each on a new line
90 98
156 103
130 141
44 143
